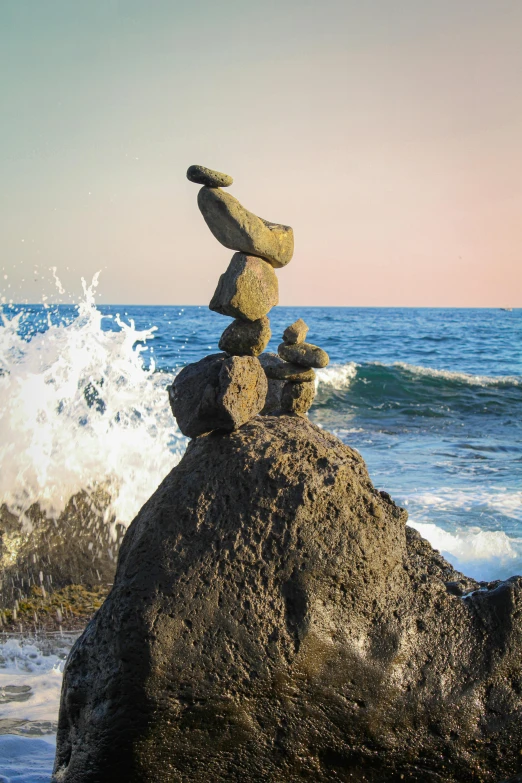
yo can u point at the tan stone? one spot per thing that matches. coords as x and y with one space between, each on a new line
246 338
304 354
278 369
203 176
247 290
297 397
237 228
296 332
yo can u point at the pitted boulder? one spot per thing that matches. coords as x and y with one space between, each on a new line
247 290
218 392
238 229
273 619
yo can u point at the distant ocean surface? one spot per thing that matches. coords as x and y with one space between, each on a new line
431 398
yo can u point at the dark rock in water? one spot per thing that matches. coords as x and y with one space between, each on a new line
272 619
218 392
237 228
246 338
213 179
277 368
305 354
79 546
247 290
296 332
297 397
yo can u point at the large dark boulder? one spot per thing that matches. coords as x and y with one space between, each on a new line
272 619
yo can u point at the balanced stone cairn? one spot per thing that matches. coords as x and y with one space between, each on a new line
290 373
225 390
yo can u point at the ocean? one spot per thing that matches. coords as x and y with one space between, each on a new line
431 398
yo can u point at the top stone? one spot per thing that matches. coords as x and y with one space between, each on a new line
212 179
296 332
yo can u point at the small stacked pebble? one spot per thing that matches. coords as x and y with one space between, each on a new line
224 391
290 372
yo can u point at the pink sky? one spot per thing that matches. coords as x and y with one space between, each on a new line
387 134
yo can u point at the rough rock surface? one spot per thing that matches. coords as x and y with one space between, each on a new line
296 332
305 354
297 397
247 290
237 228
272 619
218 392
278 369
246 338
213 179
273 397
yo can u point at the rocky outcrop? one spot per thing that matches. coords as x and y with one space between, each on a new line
272 619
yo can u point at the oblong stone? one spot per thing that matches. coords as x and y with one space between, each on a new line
304 354
246 338
279 370
238 229
213 179
218 392
297 397
296 332
247 290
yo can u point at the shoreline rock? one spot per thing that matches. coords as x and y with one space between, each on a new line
272 619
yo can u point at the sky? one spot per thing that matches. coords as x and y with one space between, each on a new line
388 134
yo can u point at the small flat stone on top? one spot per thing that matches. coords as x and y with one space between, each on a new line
304 354
212 179
296 332
247 290
246 338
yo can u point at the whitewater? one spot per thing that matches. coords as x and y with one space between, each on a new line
431 398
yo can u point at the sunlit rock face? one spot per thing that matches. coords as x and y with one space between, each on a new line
272 619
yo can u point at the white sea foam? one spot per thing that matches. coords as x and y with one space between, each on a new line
30 682
78 409
462 377
338 376
472 500
482 554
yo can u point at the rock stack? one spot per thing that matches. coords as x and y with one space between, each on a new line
290 372
225 390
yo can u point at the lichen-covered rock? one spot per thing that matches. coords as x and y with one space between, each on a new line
238 229
297 397
213 179
278 369
218 392
247 290
296 332
273 619
246 338
304 354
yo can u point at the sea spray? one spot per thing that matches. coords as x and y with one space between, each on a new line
86 428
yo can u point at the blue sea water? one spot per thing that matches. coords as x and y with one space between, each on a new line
432 399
